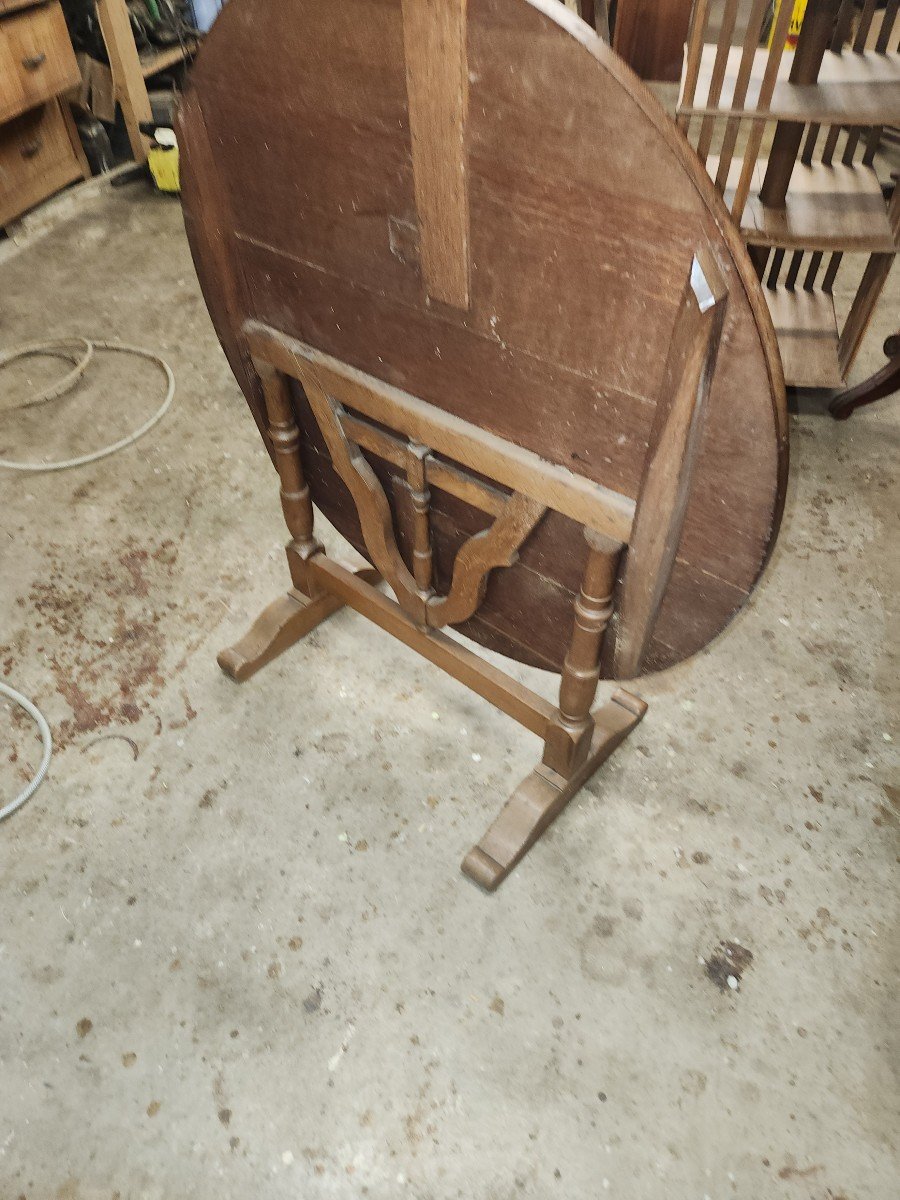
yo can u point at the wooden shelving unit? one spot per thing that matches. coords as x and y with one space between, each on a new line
161 60
828 208
814 196
807 329
851 89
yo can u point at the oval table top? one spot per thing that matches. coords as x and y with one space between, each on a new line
583 208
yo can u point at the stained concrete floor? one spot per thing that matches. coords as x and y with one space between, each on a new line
237 957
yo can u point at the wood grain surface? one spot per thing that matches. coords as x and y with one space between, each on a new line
585 207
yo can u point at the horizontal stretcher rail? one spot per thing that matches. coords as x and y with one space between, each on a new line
498 688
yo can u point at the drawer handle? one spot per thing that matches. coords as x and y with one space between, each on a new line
33 61
30 149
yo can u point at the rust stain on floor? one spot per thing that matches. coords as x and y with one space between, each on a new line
98 620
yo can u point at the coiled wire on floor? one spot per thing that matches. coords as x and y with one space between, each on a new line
35 713
80 351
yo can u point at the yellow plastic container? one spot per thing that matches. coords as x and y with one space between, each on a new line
794 28
163 163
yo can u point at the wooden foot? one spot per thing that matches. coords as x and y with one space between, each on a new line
283 623
542 796
883 383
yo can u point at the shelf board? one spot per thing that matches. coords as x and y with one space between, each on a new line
828 208
160 60
806 326
852 89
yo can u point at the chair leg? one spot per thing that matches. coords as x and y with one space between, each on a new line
883 383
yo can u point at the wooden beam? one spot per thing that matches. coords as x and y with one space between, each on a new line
767 88
674 445
692 67
874 278
437 86
748 56
128 76
729 18
812 43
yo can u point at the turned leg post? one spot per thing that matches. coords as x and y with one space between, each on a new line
307 604
568 740
421 502
296 503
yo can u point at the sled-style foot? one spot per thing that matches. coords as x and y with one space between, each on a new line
542 796
284 622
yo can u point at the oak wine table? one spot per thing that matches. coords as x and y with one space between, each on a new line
494 321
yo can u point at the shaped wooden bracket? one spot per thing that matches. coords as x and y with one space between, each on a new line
476 558
372 506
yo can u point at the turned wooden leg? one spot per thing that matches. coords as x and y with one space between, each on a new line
305 606
577 741
420 498
568 740
543 794
296 503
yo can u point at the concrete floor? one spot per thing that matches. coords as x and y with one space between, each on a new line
237 957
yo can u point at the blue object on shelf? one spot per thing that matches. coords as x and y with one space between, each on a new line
205 12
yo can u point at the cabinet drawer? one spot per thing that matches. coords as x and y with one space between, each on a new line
13 5
12 94
36 159
36 58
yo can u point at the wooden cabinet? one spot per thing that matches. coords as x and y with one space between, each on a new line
37 158
37 57
39 147
12 94
8 6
